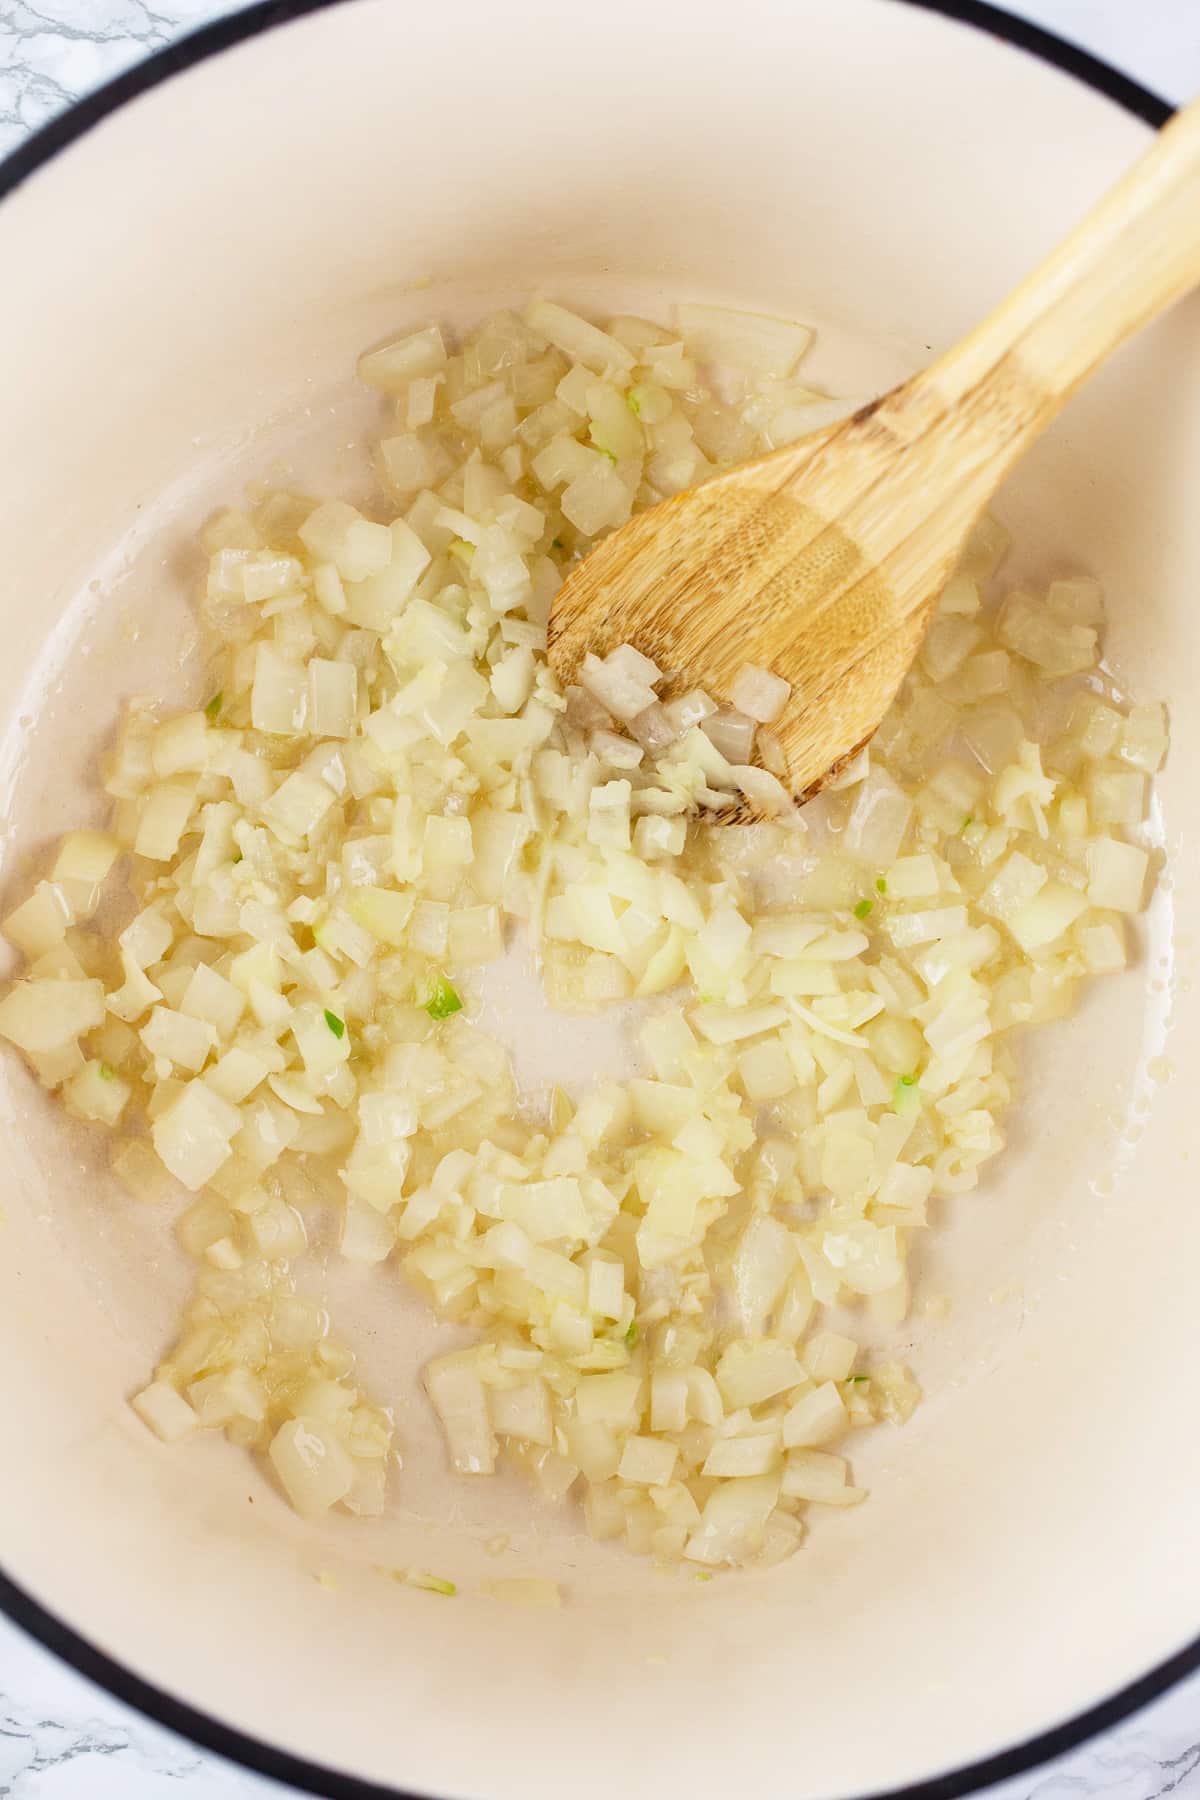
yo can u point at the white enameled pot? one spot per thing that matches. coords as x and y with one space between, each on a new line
189 263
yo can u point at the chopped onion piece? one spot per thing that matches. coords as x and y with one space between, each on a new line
312 1465
743 340
460 1402
816 1417
193 1137
733 1524
732 733
165 1411
396 364
42 1016
1116 874
759 694
577 339
763 790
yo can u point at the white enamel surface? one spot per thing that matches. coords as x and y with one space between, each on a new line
1027 1548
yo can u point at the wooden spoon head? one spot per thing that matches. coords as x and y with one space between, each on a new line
759 566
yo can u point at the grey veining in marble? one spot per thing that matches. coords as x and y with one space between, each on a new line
61 1738
53 50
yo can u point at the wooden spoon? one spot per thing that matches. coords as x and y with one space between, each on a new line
823 561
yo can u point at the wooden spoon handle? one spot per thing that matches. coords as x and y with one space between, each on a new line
963 422
1133 255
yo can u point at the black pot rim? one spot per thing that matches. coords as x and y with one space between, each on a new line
20 1606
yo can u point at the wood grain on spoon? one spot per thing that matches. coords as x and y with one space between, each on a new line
823 561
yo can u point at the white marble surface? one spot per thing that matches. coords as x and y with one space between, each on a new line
61 1738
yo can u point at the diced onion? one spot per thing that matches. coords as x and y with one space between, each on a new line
759 694
312 1465
165 1411
383 787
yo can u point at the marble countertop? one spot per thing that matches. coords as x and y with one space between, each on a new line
60 1737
